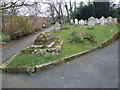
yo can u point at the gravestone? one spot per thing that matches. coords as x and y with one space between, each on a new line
102 20
71 21
81 22
106 21
57 26
85 22
110 20
91 22
97 21
115 21
76 21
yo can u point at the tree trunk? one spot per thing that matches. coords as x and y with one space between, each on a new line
68 15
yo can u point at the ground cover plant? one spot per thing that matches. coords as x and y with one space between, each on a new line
4 37
98 34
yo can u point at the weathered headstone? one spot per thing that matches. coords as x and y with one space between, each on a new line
110 20
85 22
57 26
91 22
81 22
76 21
71 21
97 21
115 21
106 21
102 20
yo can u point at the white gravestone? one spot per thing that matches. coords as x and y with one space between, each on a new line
82 22
91 22
76 21
102 20
71 21
57 26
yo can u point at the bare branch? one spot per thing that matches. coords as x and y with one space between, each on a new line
14 4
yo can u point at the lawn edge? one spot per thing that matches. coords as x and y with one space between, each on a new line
41 67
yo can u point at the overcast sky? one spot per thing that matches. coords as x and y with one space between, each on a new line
78 1
116 1
43 7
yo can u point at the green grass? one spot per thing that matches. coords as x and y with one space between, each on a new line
101 33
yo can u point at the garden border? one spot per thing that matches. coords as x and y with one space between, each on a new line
29 70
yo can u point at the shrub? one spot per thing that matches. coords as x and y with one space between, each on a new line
74 37
89 36
19 24
5 37
78 37
39 22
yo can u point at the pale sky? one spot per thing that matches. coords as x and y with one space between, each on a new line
116 1
24 10
78 1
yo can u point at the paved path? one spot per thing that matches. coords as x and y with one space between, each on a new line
99 69
15 46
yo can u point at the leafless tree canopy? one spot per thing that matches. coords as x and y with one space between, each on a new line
56 11
10 4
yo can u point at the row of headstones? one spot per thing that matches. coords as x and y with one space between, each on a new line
92 21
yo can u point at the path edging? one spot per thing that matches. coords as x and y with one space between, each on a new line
41 67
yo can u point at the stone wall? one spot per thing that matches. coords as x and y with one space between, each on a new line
19 70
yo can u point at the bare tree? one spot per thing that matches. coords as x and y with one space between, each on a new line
67 10
17 3
52 11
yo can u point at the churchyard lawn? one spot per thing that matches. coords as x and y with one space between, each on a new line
102 33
